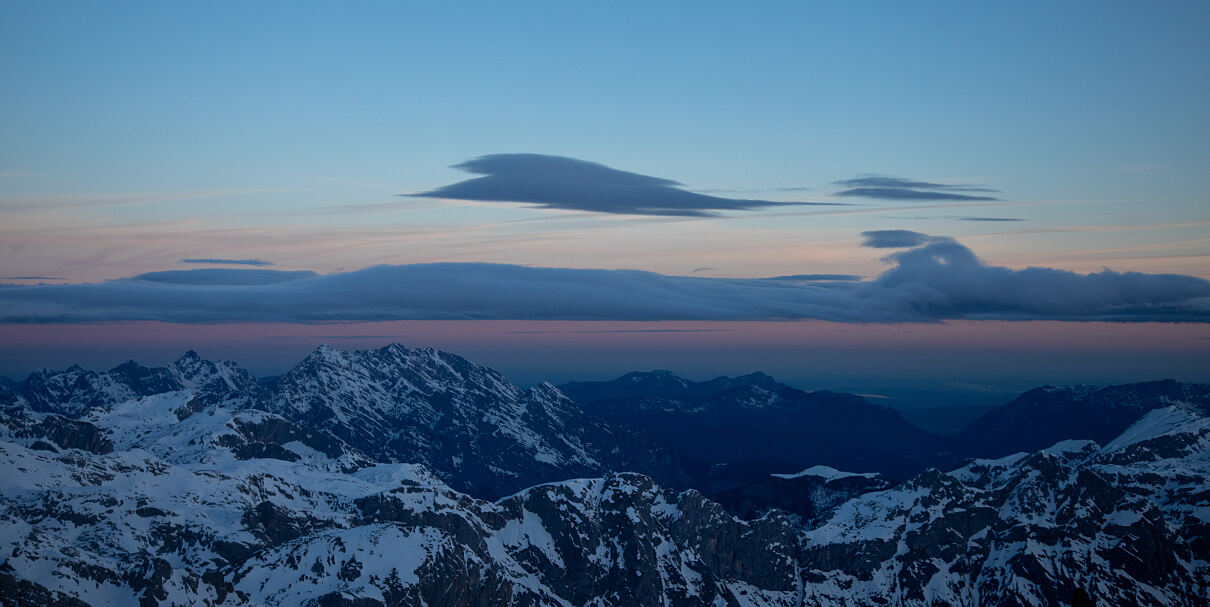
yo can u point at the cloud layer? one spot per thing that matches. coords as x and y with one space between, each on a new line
558 182
935 280
896 188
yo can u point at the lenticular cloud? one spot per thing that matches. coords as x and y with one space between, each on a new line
558 182
936 279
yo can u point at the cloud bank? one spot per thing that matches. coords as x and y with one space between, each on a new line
896 188
558 182
935 280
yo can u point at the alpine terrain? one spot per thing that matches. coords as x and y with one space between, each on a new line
413 477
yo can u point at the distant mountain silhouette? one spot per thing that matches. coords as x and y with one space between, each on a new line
1046 415
728 420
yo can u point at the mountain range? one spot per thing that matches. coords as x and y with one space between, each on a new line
411 476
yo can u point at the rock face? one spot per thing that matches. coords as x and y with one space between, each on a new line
219 491
812 495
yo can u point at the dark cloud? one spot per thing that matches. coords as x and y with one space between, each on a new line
31 278
896 239
988 219
236 262
558 182
945 280
877 181
938 279
349 336
223 276
704 269
896 188
906 194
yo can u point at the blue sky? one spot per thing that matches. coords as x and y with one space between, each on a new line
138 135
131 96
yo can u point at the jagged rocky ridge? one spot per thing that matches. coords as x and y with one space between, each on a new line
469 424
208 494
466 423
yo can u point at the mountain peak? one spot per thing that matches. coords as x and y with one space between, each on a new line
655 375
326 354
394 348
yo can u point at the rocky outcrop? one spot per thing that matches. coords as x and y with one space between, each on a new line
811 495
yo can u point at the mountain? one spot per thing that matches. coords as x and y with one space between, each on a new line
752 417
1046 415
218 503
659 384
468 424
75 391
1125 522
482 435
202 524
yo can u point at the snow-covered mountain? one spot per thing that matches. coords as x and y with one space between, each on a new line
207 525
75 391
194 485
467 423
1127 522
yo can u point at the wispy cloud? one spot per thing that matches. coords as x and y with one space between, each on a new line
934 280
230 262
75 201
896 188
989 219
539 331
558 182
817 278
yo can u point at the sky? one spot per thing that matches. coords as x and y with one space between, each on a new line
821 190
